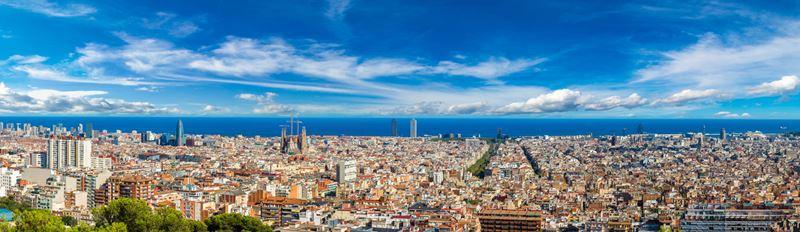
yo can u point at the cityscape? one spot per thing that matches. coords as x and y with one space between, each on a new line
696 181
399 116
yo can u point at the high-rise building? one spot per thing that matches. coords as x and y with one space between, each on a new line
66 152
346 171
179 137
394 127
722 135
166 139
147 137
89 131
413 128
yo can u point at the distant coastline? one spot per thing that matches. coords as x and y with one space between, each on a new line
368 126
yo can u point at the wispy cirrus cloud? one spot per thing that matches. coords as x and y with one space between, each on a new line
688 95
336 9
714 63
167 22
50 8
251 62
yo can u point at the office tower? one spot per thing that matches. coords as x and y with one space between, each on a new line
394 127
80 128
722 135
166 139
65 152
640 129
346 171
147 137
179 137
413 128
89 131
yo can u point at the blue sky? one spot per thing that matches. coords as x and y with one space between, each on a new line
549 59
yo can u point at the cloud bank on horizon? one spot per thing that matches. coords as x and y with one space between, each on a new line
665 59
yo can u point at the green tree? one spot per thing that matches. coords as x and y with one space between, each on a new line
170 219
81 227
11 204
235 222
198 226
69 221
38 220
6 227
114 227
134 213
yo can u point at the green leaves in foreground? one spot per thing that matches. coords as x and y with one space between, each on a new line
132 215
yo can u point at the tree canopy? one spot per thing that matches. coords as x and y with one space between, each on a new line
124 215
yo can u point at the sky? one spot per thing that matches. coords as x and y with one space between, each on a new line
460 58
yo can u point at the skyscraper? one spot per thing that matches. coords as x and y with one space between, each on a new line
179 137
722 135
394 127
413 128
89 131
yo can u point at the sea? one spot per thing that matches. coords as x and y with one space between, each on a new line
370 126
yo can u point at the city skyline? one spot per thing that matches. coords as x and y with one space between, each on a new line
730 60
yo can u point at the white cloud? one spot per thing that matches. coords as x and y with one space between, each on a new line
151 89
688 95
249 57
56 101
785 85
167 22
265 104
437 108
557 101
632 101
20 59
468 108
215 109
337 8
138 55
730 65
50 9
489 69
727 114
56 75
147 61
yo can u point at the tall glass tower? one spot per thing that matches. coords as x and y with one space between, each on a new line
394 127
179 134
413 128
